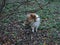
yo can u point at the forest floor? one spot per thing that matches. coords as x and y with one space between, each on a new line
13 32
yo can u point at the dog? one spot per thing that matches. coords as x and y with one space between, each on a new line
33 20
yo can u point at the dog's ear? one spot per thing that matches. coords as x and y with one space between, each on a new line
33 16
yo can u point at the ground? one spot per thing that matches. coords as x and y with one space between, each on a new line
12 30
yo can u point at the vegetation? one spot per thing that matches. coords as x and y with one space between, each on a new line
13 13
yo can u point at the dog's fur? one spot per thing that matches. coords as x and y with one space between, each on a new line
34 20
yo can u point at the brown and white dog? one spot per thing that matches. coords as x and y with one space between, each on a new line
34 21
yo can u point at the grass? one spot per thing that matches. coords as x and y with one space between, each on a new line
50 17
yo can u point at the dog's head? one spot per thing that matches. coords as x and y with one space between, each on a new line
31 17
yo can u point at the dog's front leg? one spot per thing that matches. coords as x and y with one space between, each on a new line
32 29
36 29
